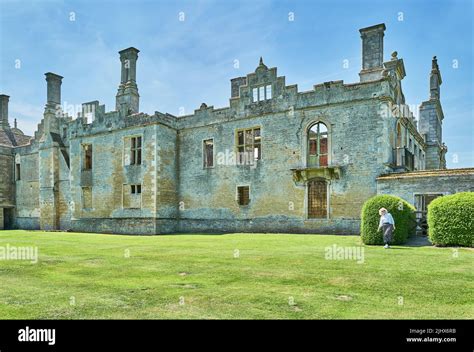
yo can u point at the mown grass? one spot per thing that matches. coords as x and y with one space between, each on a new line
236 276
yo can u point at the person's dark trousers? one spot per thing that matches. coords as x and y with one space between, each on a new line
387 230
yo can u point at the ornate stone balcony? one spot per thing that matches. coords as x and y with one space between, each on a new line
303 174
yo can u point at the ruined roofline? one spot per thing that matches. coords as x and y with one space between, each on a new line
128 98
316 88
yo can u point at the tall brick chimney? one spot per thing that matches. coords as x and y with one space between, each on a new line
4 111
372 52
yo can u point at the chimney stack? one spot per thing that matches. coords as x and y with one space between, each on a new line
4 111
372 52
127 98
54 89
435 80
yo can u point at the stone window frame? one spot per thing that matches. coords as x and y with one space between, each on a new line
17 168
17 172
203 150
127 149
84 166
129 186
305 140
328 201
244 145
258 88
136 151
320 134
237 199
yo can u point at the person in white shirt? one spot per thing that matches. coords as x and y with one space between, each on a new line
387 224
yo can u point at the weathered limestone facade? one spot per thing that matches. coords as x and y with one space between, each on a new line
274 160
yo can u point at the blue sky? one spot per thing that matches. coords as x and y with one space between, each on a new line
185 63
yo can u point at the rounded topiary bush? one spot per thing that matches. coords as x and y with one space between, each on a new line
402 212
451 220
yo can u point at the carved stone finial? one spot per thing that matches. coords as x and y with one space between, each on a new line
261 61
203 106
434 63
15 124
394 55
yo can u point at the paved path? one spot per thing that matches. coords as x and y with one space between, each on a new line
418 241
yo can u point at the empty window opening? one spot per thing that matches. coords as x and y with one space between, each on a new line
132 196
255 94
136 189
268 92
262 93
87 160
18 172
136 151
208 153
249 146
318 145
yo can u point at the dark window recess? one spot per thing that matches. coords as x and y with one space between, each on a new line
87 149
249 145
18 172
208 153
243 193
136 151
136 189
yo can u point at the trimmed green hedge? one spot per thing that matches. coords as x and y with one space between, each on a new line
402 212
451 220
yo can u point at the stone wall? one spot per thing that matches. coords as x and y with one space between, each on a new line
27 189
360 140
112 175
407 185
6 176
179 194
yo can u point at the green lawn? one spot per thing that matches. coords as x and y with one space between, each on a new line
229 276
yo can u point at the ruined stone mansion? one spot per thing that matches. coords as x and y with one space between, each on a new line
274 160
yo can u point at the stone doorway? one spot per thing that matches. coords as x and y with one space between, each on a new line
317 199
421 204
8 218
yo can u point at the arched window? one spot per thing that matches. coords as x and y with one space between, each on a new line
318 145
